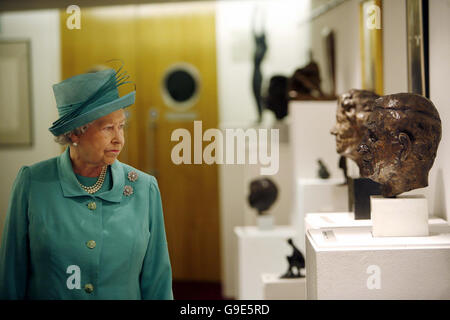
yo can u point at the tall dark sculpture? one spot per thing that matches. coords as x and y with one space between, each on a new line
295 261
263 194
400 145
352 112
258 57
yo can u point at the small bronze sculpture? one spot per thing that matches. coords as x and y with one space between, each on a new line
353 109
296 260
263 194
400 145
323 172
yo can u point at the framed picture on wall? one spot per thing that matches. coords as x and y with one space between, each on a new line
371 45
417 37
15 93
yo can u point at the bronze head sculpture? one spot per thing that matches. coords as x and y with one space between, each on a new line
263 194
400 144
353 110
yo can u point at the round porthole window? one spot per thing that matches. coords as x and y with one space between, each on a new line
180 86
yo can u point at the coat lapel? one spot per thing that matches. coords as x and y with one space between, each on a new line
71 188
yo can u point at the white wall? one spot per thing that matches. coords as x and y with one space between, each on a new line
287 50
439 68
344 21
42 28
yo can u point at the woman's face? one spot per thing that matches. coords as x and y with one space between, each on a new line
102 142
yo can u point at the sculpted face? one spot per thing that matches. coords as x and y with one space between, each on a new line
353 110
400 144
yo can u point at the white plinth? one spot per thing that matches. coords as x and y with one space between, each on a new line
260 252
349 263
404 216
275 288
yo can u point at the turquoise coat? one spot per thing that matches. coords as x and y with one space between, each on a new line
59 242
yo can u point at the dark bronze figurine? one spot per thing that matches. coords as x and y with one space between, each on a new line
323 172
400 144
353 109
295 261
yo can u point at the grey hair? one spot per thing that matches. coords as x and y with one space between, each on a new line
64 138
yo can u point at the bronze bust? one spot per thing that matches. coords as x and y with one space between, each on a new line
400 144
353 110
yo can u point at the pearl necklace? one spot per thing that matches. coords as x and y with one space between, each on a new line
93 189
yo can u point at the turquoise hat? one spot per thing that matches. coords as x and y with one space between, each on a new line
87 97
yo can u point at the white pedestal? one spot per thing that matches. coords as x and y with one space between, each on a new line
349 263
260 252
318 195
275 288
404 216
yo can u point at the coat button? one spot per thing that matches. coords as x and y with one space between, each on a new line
92 205
91 244
89 288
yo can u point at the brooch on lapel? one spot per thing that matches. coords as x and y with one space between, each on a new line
132 176
128 190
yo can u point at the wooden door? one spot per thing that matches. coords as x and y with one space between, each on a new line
151 39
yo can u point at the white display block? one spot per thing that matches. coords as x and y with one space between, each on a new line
404 216
260 252
275 288
349 263
317 195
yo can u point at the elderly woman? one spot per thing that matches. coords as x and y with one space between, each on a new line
84 225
